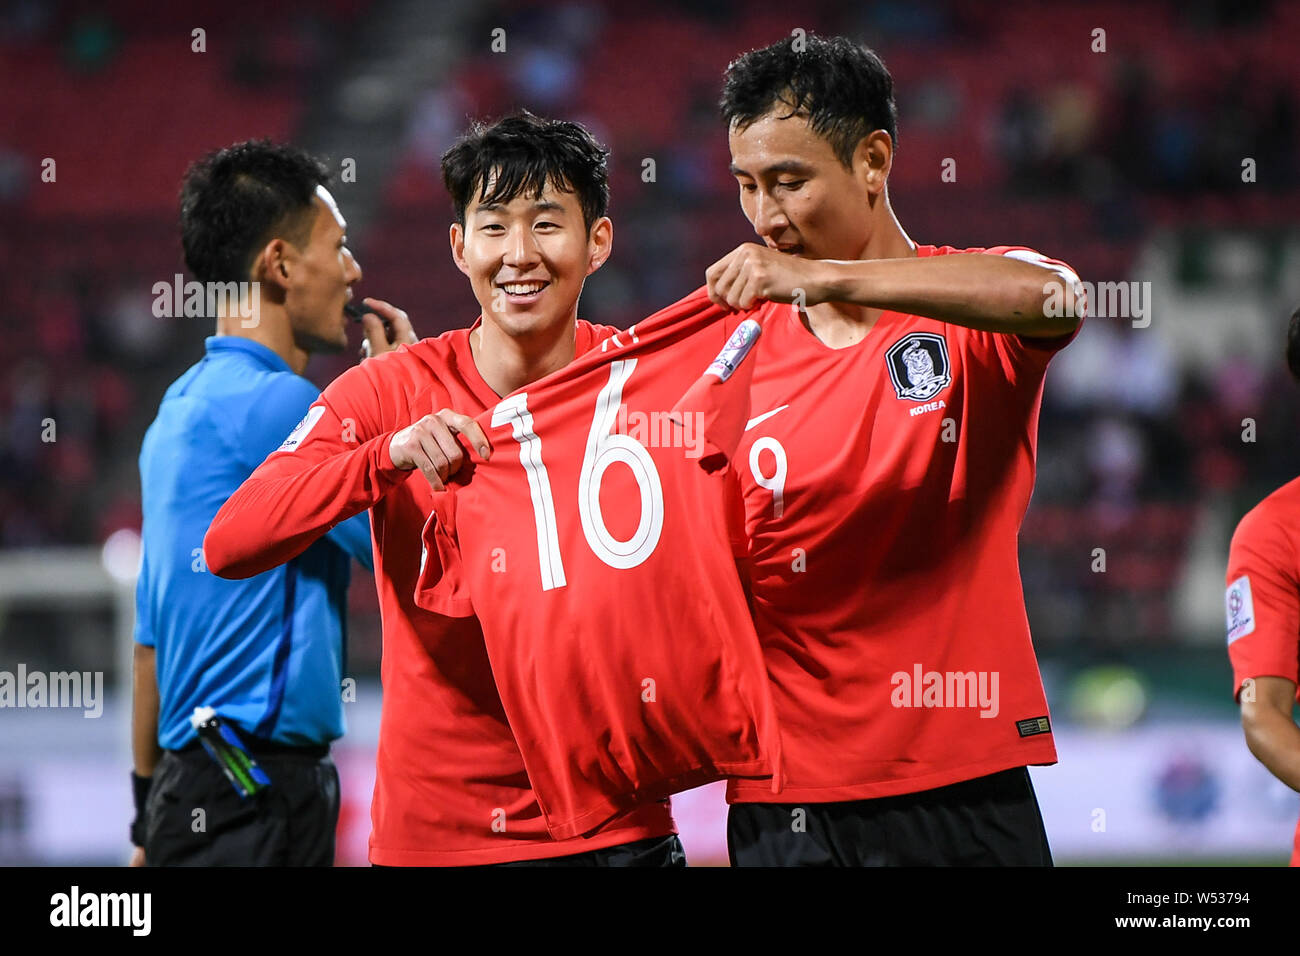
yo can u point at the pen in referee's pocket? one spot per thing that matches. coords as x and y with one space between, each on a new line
225 748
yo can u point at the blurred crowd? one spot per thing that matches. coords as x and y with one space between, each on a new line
1177 119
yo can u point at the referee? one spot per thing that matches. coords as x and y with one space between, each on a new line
266 654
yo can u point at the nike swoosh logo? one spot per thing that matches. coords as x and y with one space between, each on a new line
764 417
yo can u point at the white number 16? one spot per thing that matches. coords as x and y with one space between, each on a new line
603 450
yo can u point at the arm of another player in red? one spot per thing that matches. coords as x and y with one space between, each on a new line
1271 732
334 465
1263 612
1028 295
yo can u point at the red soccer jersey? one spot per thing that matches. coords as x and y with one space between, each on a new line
596 554
884 487
1263 599
450 784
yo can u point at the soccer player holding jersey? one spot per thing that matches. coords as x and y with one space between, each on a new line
451 786
596 554
887 466
1263 608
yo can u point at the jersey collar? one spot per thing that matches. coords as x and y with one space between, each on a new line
584 339
214 344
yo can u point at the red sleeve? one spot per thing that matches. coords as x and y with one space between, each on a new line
718 400
442 587
1263 600
1020 349
735 504
334 465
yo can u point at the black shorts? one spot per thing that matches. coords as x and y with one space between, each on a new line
988 821
291 823
654 851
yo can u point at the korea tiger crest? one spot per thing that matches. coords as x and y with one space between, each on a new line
919 366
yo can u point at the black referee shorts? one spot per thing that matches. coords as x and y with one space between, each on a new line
988 821
195 818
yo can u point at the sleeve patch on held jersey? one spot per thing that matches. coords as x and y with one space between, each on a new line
734 352
302 428
1241 609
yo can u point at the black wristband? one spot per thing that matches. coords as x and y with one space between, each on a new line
140 789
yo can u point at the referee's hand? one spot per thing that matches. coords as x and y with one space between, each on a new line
430 445
386 328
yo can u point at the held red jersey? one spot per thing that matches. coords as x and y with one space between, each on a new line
450 785
596 553
884 488
1263 596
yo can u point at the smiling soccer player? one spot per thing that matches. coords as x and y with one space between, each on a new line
451 788
886 471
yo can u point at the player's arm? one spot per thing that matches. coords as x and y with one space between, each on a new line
144 740
343 459
145 751
273 531
1263 618
1271 732
387 328
1026 295
144 712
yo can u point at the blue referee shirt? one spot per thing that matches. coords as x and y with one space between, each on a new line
267 652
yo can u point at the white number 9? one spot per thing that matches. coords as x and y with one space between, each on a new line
774 483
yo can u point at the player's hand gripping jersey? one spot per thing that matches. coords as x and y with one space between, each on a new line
597 556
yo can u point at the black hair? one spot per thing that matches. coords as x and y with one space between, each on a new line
843 88
1293 345
236 200
520 155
